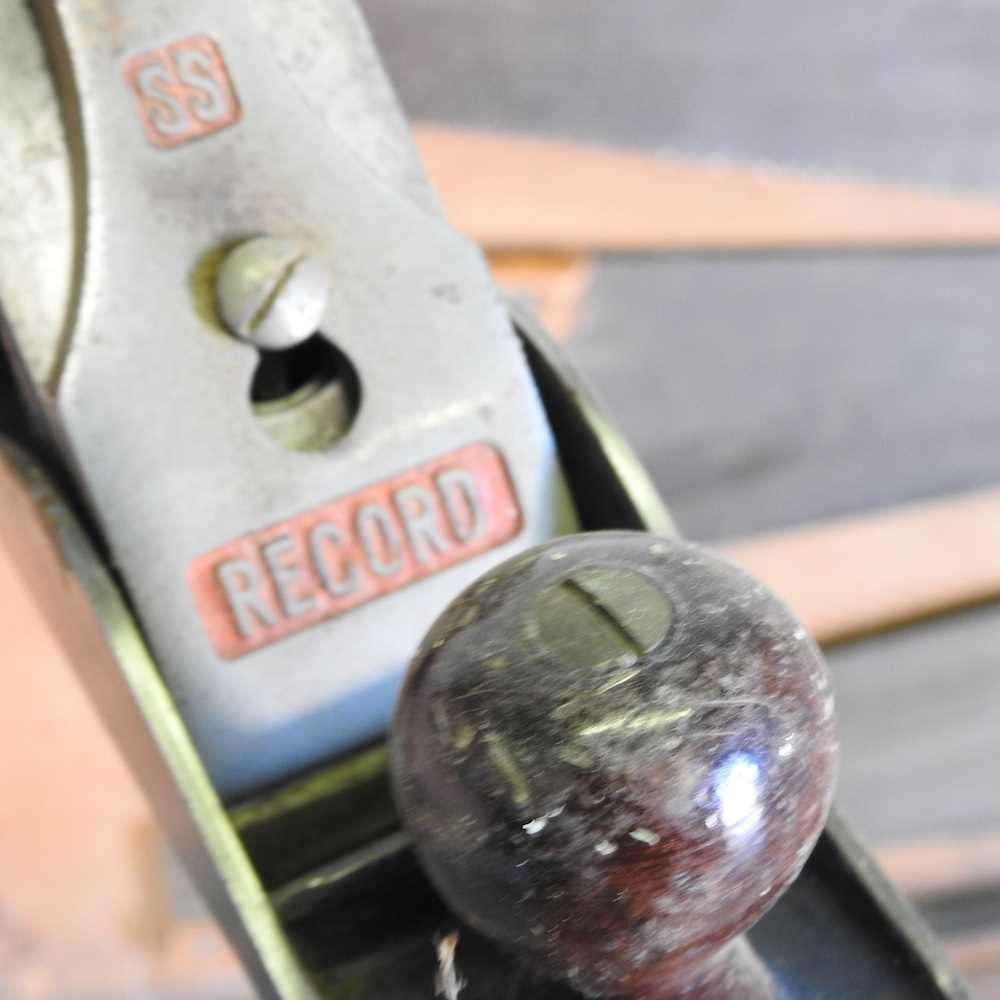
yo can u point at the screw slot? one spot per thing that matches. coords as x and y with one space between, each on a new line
271 293
600 614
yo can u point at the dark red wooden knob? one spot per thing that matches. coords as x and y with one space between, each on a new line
614 752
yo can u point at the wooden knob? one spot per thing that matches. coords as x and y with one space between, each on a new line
614 752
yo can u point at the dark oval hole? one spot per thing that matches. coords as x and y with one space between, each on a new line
308 396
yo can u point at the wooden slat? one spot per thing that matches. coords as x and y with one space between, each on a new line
553 285
975 956
512 192
849 577
944 867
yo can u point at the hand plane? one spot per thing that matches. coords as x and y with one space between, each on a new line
279 435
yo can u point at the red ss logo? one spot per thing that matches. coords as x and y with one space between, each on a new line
183 91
